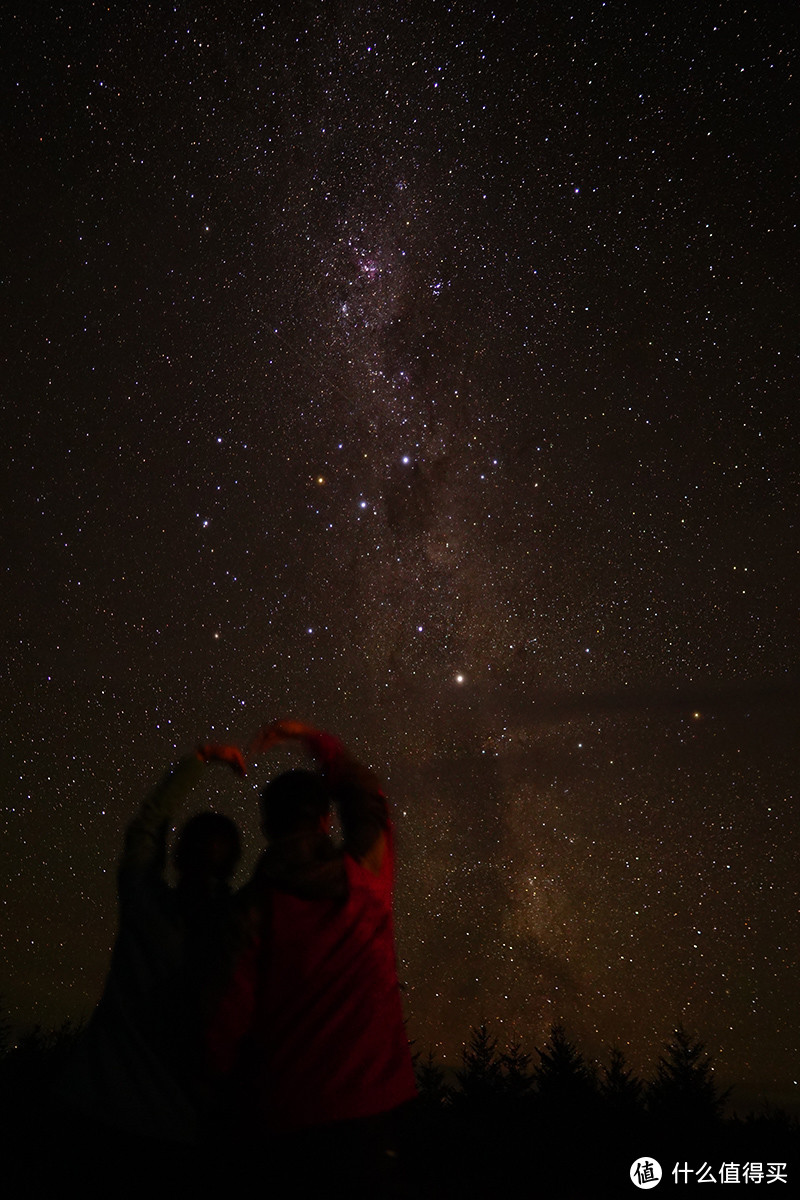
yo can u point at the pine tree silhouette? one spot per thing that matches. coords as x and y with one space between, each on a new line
564 1080
517 1074
480 1077
684 1093
430 1080
619 1088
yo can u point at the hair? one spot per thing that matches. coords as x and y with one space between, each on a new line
208 844
292 802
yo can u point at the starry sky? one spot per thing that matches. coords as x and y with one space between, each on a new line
427 372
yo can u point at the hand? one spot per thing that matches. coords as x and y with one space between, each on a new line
214 752
280 731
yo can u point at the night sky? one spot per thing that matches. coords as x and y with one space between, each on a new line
426 372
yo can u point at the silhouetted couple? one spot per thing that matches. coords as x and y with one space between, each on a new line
266 1026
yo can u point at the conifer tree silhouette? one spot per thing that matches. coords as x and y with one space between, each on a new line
684 1092
619 1088
517 1073
480 1076
430 1080
565 1083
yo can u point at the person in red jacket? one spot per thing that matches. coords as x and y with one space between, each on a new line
312 1024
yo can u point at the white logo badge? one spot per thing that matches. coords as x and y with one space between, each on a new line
646 1172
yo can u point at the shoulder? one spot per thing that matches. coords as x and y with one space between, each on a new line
378 859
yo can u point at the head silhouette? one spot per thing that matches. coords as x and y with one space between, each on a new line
294 803
207 849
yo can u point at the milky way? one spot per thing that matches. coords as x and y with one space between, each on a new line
431 377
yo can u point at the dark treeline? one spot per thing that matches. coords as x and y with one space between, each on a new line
550 1122
574 1127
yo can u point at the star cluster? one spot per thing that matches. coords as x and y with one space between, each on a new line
428 373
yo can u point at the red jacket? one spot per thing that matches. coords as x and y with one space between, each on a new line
313 1020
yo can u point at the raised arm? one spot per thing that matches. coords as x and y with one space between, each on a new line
354 789
146 836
